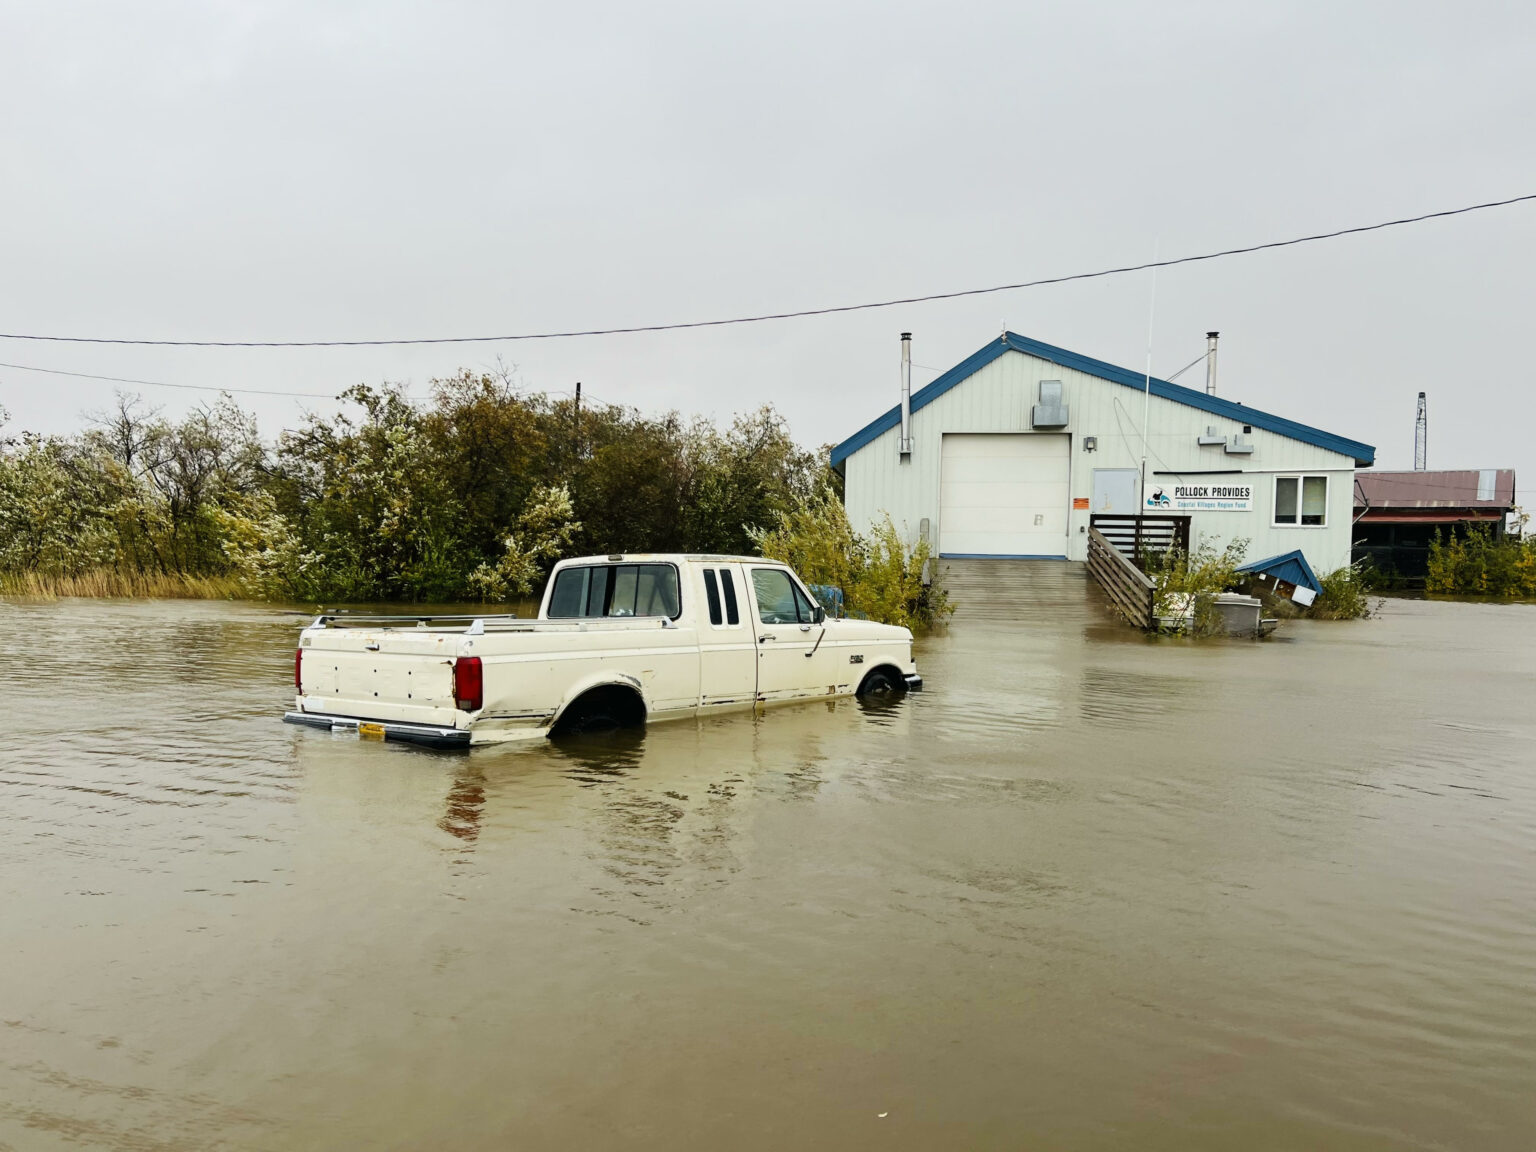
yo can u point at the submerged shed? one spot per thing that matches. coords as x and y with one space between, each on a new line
1288 575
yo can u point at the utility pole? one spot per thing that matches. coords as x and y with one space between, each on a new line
577 415
1146 395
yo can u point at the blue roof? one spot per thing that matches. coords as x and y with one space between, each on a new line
1362 454
1292 567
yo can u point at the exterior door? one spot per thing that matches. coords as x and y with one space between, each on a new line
727 636
788 637
1117 491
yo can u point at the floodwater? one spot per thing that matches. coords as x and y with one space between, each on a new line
1087 891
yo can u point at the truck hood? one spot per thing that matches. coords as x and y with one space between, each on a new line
846 628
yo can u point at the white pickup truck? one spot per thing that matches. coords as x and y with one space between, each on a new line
619 640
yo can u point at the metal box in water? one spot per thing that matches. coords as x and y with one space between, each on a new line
1240 614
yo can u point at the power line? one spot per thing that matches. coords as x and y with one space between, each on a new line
189 387
163 384
243 391
801 313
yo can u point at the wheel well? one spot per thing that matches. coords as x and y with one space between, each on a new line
897 677
619 701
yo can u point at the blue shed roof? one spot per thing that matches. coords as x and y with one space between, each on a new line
1362 454
1291 567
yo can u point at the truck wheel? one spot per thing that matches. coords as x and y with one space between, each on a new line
882 684
591 719
602 710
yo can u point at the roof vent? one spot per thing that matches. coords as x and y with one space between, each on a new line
1239 445
1211 437
1050 412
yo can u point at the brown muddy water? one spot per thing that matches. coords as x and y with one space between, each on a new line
1087 891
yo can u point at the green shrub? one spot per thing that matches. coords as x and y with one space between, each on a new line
1188 583
544 531
880 574
1345 595
471 494
1481 564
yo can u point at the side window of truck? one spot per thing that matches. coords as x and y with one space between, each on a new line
712 594
778 600
728 586
599 590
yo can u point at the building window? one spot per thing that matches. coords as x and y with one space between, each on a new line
1301 500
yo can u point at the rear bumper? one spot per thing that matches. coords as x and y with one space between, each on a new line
428 734
914 683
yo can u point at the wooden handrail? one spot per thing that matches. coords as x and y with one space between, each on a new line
1129 589
1138 535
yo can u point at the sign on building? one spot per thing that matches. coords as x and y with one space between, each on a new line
1179 497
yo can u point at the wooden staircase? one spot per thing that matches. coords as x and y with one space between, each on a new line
1015 591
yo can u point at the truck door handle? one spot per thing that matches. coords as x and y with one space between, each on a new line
769 636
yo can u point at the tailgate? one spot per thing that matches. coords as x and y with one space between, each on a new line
383 674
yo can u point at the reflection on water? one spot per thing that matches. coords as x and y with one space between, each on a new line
1085 891
466 800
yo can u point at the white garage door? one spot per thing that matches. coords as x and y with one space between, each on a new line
1004 494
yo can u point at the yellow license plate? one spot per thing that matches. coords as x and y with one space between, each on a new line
370 731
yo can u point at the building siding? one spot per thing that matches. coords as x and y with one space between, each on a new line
998 398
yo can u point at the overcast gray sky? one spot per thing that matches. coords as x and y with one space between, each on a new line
214 169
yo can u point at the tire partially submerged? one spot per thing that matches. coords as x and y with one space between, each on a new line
882 684
604 709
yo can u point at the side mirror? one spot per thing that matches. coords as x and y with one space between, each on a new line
818 614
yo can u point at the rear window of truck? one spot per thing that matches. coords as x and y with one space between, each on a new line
615 590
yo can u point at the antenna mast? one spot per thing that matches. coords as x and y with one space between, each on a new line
1421 437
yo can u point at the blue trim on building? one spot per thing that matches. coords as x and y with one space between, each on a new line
1363 454
1292 567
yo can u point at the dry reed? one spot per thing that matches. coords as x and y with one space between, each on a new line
111 584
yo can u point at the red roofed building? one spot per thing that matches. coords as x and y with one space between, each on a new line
1398 513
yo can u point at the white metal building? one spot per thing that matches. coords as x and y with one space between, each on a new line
1014 448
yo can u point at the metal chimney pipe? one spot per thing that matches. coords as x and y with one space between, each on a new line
905 446
1421 437
1210 362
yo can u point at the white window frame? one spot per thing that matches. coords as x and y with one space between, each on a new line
1301 479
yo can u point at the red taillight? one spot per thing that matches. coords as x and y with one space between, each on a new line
468 684
298 669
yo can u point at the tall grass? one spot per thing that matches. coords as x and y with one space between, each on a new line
112 584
